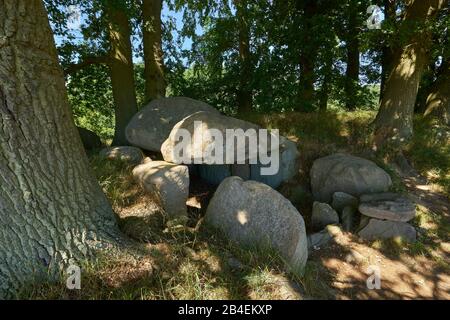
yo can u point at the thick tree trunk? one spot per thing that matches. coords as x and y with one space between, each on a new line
353 64
51 208
394 122
438 98
121 69
386 61
155 83
245 94
307 78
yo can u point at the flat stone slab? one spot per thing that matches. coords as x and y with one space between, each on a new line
388 207
382 229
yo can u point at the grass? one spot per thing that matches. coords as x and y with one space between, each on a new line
188 263
165 262
430 152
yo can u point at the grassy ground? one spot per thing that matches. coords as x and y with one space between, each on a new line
196 263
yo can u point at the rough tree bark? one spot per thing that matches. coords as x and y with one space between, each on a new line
353 63
121 69
51 208
155 83
245 94
394 121
438 98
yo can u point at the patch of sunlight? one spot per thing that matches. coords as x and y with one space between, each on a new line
242 217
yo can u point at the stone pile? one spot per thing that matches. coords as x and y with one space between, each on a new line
356 190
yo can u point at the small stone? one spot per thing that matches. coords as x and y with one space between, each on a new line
319 239
131 155
91 141
323 215
350 219
342 200
235 264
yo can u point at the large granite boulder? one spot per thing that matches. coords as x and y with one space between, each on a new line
90 140
388 206
289 165
254 215
170 182
345 173
132 155
203 143
152 125
383 229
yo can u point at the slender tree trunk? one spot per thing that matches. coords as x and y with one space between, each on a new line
308 54
438 98
51 208
353 64
121 69
386 59
245 94
324 91
394 122
155 83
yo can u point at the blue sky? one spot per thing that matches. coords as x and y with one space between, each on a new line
75 23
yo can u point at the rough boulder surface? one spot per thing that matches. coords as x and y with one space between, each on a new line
345 173
254 215
323 215
168 181
205 143
152 125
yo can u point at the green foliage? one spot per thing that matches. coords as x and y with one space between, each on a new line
90 95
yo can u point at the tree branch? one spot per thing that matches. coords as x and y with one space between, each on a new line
75 67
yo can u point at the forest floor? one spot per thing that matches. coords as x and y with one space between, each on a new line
194 263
